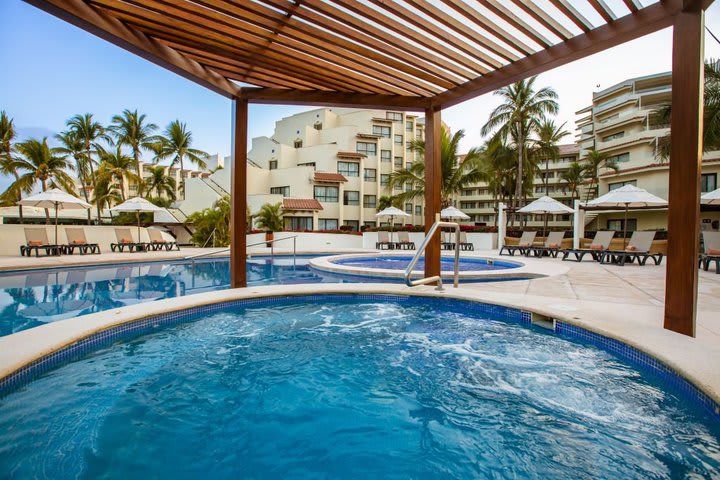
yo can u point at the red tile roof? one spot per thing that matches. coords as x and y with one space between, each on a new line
351 155
329 177
301 204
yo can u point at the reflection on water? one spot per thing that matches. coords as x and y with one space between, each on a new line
29 299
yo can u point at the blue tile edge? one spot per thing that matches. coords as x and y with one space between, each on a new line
144 326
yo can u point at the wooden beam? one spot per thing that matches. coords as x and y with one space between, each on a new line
501 10
571 12
274 96
238 195
604 10
542 17
433 179
686 146
78 13
629 27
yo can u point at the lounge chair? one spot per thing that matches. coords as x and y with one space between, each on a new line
76 240
638 248
404 242
158 241
124 240
447 242
551 247
36 239
711 240
464 244
526 241
600 244
384 241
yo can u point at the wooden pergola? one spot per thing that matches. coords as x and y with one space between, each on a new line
411 55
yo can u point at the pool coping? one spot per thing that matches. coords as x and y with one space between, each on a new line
691 360
528 268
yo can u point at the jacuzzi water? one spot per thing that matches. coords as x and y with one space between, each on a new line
342 388
447 264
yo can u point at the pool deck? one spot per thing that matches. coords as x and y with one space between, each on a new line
625 303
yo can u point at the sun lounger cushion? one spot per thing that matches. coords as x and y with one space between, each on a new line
125 240
713 251
35 243
79 242
596 247
524 244
631 248
554 245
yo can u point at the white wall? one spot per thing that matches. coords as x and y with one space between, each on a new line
307 241
480 241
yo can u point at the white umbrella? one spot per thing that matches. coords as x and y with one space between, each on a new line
711 198
452 212
137 205
545 205
391 212
628 196
57 199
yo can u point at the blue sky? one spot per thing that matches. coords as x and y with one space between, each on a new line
52 70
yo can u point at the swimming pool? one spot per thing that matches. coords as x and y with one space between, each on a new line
347 386
400 262
34 297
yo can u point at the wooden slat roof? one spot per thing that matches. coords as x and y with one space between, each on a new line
402 54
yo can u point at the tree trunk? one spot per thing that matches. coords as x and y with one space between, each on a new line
94 180
47 212
182 179
136 156
81 177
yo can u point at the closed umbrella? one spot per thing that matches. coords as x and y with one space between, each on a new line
711 198
546 205
137 205
391 212
628 196
57 199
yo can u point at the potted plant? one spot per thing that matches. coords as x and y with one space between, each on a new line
270 219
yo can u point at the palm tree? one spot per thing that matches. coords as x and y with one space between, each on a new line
7 135
72 145
498 163
175 144
518 117
456 173
130 128
159 183
106 193
549 136
270 217
387 201
89 132
116 165
40 163
212 224
595 162
574 177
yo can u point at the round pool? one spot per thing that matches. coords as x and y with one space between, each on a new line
354 387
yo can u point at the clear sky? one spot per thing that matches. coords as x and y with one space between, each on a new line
52 70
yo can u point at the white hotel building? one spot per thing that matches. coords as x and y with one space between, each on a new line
328 167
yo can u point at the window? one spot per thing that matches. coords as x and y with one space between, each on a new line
384 179
369 201
370 224
394 116
299 223
367 148
349 169
326 194
327 224
467 192
418 133
398 187
273 165
298 144
398 162
408 146
418 210
408 125
408 187
398 139
382 131
616 185
351 197
621 158
284 191
370 175
708 182
385 155
409 208
353 224
408 165
617 224
613 136
317 125
467 205
306 164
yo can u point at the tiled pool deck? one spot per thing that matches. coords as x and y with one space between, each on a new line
621 302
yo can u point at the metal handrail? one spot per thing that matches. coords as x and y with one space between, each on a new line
205 254
421 249
271 242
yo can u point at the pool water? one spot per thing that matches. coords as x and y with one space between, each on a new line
400 263
352 388
32 298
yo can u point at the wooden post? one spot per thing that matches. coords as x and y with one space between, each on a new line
238 196
433 178
685 166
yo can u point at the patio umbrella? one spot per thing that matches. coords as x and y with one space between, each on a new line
545 205
137 205
391 212
628 196
711 198
57 199
452 212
